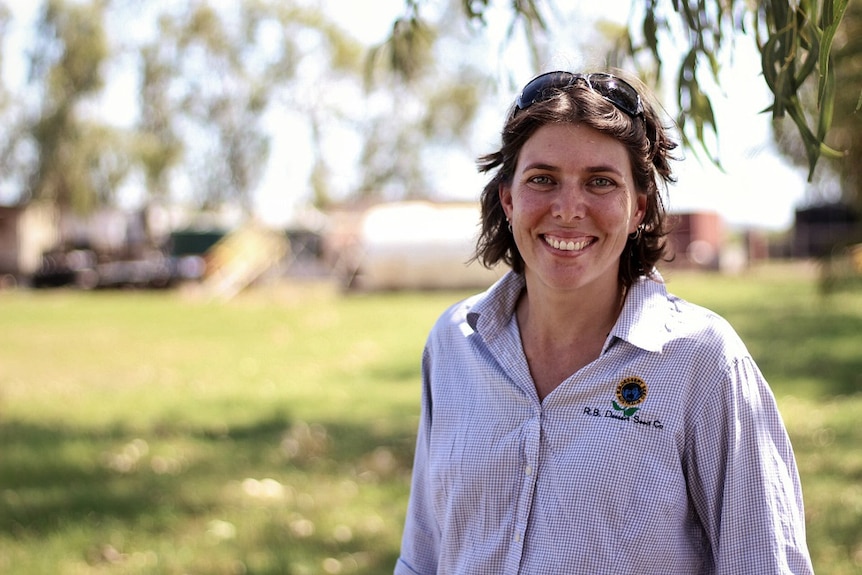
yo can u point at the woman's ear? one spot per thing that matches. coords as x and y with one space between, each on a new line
505 193
641 207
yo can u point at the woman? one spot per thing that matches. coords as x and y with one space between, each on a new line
576 418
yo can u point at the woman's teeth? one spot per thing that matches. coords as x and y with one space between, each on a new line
568 246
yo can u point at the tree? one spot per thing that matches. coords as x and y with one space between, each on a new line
842 177
794 38
66 164
210 74
159 147
201 99
847 132
433 99
4 23
211 77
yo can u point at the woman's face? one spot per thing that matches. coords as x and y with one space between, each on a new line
572 203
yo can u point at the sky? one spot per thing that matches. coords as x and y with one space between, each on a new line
756 189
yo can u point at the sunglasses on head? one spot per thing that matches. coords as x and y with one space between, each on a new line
615 90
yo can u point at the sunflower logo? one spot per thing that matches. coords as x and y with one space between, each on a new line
631 391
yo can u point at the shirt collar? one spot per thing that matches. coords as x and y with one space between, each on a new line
646 318
644 322
493 309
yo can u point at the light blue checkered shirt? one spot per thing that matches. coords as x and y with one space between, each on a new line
666 455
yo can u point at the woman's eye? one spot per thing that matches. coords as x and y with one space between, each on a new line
602 183
541 180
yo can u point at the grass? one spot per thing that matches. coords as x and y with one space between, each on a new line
160 433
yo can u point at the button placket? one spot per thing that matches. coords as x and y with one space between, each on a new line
530 453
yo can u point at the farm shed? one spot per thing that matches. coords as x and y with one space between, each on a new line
26 232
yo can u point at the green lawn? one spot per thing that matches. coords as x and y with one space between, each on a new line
160 433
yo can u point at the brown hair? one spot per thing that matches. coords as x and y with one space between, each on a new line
649 147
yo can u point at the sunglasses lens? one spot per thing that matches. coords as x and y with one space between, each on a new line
539 88
617 91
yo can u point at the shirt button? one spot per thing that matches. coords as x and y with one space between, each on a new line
528 470
517 537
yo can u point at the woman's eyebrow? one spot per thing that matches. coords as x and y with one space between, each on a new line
604 168
541 166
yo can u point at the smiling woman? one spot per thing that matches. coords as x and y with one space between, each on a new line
533 389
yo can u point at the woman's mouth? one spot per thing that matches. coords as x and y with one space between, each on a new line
567 245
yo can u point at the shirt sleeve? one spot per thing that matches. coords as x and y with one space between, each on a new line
742 476
420 540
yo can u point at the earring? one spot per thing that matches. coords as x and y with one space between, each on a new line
636 235
509 223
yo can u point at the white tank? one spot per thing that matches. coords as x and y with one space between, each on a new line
421 245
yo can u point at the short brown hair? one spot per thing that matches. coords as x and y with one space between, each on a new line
649 147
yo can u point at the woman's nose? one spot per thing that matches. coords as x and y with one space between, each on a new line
569 203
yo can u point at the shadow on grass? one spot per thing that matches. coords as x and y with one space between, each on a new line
811 353
170 481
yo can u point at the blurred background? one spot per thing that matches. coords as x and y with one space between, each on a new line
138 135
226 228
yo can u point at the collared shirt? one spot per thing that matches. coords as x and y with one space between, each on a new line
666 454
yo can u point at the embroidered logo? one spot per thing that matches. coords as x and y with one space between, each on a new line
630 394
631 391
